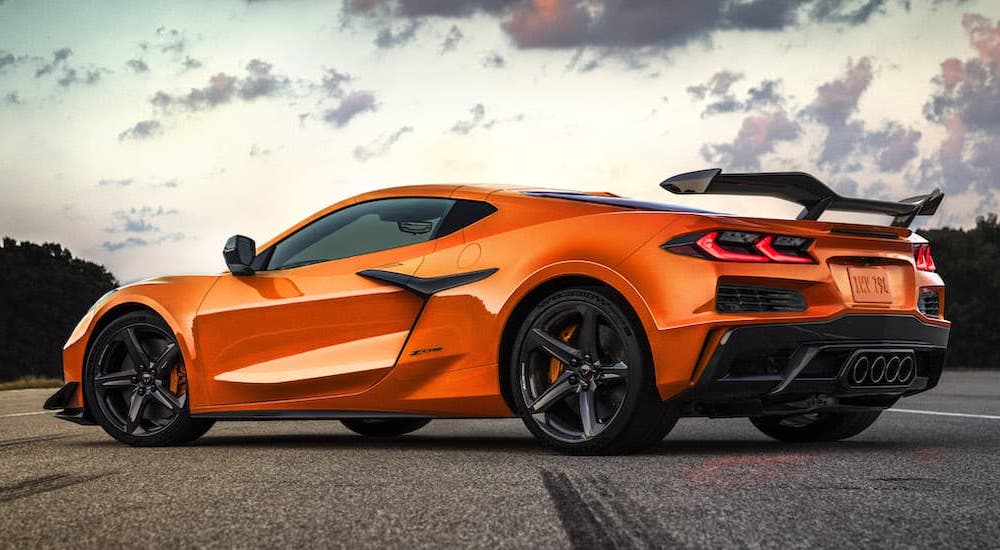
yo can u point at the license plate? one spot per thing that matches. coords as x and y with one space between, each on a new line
870 284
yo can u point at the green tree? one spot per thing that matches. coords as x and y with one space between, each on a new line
44 291
969 263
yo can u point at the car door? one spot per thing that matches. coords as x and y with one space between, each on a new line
307 325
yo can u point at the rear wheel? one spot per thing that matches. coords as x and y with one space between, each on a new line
384 427
582 376
816 426
135 383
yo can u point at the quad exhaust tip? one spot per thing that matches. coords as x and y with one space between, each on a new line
880 368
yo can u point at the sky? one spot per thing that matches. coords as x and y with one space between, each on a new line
141 135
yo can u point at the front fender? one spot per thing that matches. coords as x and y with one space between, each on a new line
174 299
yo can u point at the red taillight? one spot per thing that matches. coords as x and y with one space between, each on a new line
767 249
741 246
708 244
922 257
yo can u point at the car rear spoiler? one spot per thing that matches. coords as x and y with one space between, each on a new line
801 188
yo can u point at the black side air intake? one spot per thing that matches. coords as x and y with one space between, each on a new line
929 304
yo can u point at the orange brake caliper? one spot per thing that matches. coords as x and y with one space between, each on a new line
556 367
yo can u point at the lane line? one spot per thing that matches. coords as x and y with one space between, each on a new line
938 413
24 414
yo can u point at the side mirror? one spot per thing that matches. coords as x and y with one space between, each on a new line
239 253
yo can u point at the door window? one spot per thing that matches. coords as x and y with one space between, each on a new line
361 229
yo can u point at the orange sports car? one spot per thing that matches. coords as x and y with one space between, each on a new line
599 320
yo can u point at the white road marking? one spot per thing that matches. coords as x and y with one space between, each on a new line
938 413
33 413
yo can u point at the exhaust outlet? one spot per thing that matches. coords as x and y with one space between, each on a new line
860 370
878 370
892 370
906 370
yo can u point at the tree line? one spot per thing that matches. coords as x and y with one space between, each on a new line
44 291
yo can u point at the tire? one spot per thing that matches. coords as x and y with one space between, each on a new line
817 426
582 377
135 384
384 427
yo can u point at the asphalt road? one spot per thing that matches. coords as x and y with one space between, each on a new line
912 480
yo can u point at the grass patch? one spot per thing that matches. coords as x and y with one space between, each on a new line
26 382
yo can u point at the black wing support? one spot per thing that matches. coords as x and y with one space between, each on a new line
425 287
801 188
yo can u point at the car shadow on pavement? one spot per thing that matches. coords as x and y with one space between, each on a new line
463 443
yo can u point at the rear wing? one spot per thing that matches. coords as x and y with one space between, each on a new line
801 188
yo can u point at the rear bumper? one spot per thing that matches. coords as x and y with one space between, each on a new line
781 368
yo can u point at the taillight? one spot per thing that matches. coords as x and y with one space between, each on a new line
742 246
922 257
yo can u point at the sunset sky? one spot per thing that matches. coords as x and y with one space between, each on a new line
141 135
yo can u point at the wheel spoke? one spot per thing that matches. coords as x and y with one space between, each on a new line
165 360
135 407
135 351
588 335
555 347
554 393
167 399
113 380
588 412
618 371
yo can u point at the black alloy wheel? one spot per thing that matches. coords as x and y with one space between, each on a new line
582 376
136 385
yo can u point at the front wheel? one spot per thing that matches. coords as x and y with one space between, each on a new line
136 386
582 376
816 426
384 427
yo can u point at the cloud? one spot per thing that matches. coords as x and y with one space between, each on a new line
764 95
171 40
387 38
351 106
463 127
115 183
132 242
966 104
381 145
137 220
142 130
190 63
836 101
893 146
58 57
8 59
846 11
424 8
493 60
259 82
258 151
757 137
137 65
451 39
333 82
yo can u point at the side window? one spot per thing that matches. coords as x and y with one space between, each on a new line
361 229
